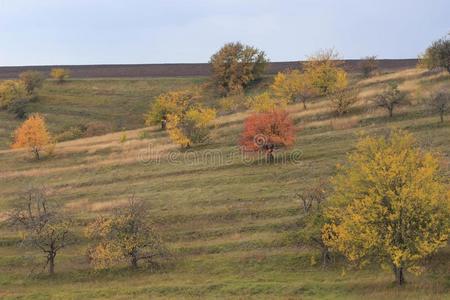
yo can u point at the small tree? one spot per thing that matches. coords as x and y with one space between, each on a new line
265 103
127 235
60 74
45 226
32 134
390 98
368 65
439 102
341 101
324 72
168 103
191 126
11 90
437 55
389 205
293 86
267 131
312 219
32 80
235 66
18 107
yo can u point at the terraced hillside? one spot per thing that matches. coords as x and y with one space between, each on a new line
225 218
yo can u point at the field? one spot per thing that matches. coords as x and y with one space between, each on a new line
226 219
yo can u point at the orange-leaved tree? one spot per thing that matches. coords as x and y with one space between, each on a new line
32 134
267 131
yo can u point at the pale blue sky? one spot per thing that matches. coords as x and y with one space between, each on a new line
37 32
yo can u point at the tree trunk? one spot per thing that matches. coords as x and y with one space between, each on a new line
134 260
51 264
269 157
391 112
399 276
442 116
36 154
304 103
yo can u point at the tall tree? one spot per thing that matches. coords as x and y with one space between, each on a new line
390 205
235 66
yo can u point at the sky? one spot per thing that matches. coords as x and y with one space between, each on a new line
52 32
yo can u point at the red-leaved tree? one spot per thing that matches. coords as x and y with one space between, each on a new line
267 131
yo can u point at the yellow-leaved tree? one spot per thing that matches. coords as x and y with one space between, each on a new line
32 134
168 103
293 86
60 74
11 90
324 72
265 102
389 205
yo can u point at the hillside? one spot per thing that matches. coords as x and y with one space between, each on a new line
225 219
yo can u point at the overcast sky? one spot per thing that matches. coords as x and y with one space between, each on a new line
39 32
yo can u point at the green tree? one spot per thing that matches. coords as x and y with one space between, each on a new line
439 102
390 98
389 205
235 66
437 55
11 90
32 80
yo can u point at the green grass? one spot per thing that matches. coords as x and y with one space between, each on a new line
226 223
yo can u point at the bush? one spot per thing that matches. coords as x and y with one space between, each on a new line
368 65
390 98
235 66
32 80
60 74
18 108
264 103
97 128
11 90
437 55
341 101
231 104
74 132
293 86
168 103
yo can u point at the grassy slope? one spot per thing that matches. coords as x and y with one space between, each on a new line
226 223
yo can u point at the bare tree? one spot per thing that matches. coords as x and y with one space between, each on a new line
390 98
45 225
439 102
368 65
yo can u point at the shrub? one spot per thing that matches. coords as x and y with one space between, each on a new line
168 103
235 66
32 134
32 80
293 86
97 128
267 131
11 90
264 103
60 74
343 100
439 102
390 205
368 65
230 104
18 108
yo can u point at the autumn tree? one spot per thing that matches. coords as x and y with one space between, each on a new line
169 103
264 102
439 102
343 100
437 55
324 72
293 86
389 205
390 98
126 235
32 80
60 74
10 91
44 226
312 199
368 65
235 66
32 134
264 132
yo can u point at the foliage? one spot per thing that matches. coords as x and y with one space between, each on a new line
168 103
32 80
32 134
324 72
437 55
97 128
60 74
341 101
389 205
72 133
265 103
127 235
45 226
267 131
293 86
11 90
230 104
235 66
440 103
18 107
369 65
191 126
390 98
